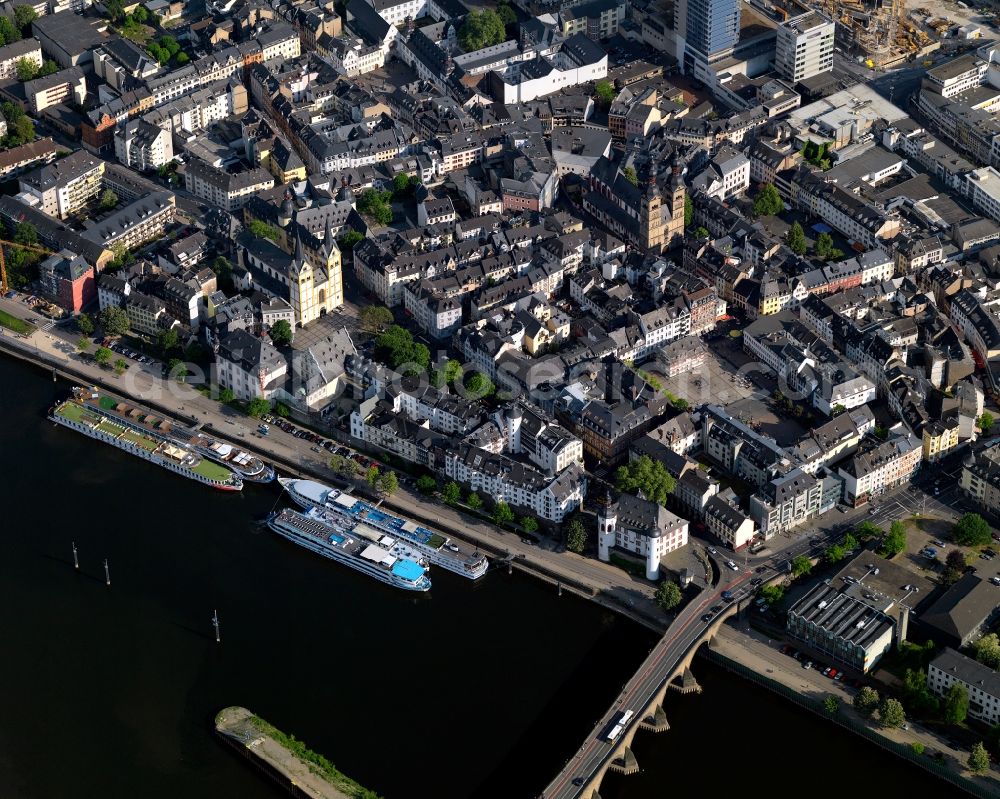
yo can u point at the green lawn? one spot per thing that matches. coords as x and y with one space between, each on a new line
15 324
212 471
140 440
74 412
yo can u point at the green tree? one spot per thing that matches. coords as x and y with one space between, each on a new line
474 501
801 565
604 93
478 386
120 366
83 344
979 759
768 201
834 553
688 210
25 69
114 321
831 704
891 713
85 324
987 650
773 594
375 318
282 410
396 347
796 239
985 423
223 268
502 514
482 28
8 30
701 232
954 567
629 174
115 9
258 406
426 485
866 701
668 595
576 536
451 493
447 374
865 531
345 467
918 696
181 58
372 476
23 17
388 484
849 542
917 748
646 475
108 200
529 524
972 530
895 540
226 396
102 355
956 704
349 239
507 14
177 369
281 333
166 340
375 205
262 230
824 246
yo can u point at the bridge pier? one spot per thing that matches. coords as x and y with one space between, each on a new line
655 721
626 764
688 684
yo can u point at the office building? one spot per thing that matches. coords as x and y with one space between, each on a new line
804 47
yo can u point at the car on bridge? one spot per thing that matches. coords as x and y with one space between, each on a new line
707 617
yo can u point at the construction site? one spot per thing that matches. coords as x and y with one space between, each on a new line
881 33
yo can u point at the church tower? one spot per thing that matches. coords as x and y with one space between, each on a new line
334 269
300 285
678 193
651 215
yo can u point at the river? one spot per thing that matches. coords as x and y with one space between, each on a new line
477 690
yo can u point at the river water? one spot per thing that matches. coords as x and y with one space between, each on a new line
477 690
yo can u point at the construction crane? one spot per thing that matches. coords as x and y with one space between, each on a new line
3 261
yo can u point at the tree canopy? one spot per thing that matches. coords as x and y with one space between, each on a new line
451 493
985 423
801 565
979 759
375 205
866 700
396 347
767 202
375 318
262 230
891 713
646 475
502 514
894 541
956 704
281 333
426 484
604 92
114 321
482 28
576 536
988 650
972 530
796 239
668 595
258 406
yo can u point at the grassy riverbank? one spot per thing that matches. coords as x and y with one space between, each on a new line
15 324
289 755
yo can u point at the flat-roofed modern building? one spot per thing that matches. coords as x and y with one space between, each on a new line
804 47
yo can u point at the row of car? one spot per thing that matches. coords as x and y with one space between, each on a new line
833 673
329 445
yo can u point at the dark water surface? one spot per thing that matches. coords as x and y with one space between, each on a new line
478 690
